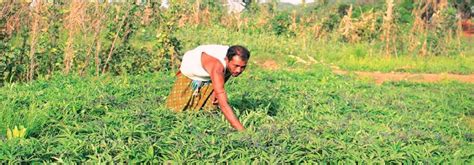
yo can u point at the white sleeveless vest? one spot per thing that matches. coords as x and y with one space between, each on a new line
191 65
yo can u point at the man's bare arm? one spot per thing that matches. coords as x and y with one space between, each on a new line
216 71
213 96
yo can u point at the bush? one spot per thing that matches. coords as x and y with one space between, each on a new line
280 24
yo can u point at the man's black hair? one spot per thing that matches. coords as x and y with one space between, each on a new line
238 50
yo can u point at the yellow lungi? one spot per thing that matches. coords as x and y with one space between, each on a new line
183 95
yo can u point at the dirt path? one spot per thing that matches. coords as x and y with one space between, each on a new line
379 77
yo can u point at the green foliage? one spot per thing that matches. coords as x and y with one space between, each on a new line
129 60
280 24
445 26
154 46
404 12
14 60
332 22
12 56
314 116
50 51
342 9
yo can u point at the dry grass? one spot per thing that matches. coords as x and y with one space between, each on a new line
354 30
388 29
438 6
147 15
73 23
234 21
438 19
96 23
294 24
98 45
418 29
424 25
116 36
196 12
14 21
198 15
264 17
346 27
5 10
35 26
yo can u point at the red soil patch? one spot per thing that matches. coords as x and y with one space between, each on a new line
269 64
379 77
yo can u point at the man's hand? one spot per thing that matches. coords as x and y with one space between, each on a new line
228 112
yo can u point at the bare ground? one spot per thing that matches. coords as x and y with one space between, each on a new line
379 77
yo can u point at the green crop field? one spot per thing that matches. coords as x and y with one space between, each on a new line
299 116
86 82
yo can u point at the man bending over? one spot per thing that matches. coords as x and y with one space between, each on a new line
201 78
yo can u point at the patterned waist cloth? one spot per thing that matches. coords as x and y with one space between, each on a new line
197 85
188 94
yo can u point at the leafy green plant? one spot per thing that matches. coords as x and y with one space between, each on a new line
280 24
308 116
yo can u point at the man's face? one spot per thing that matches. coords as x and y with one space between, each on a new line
236 65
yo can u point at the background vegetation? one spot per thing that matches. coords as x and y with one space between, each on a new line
96 38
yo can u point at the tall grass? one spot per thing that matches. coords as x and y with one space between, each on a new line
109 33
387 29
74 23
35 16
